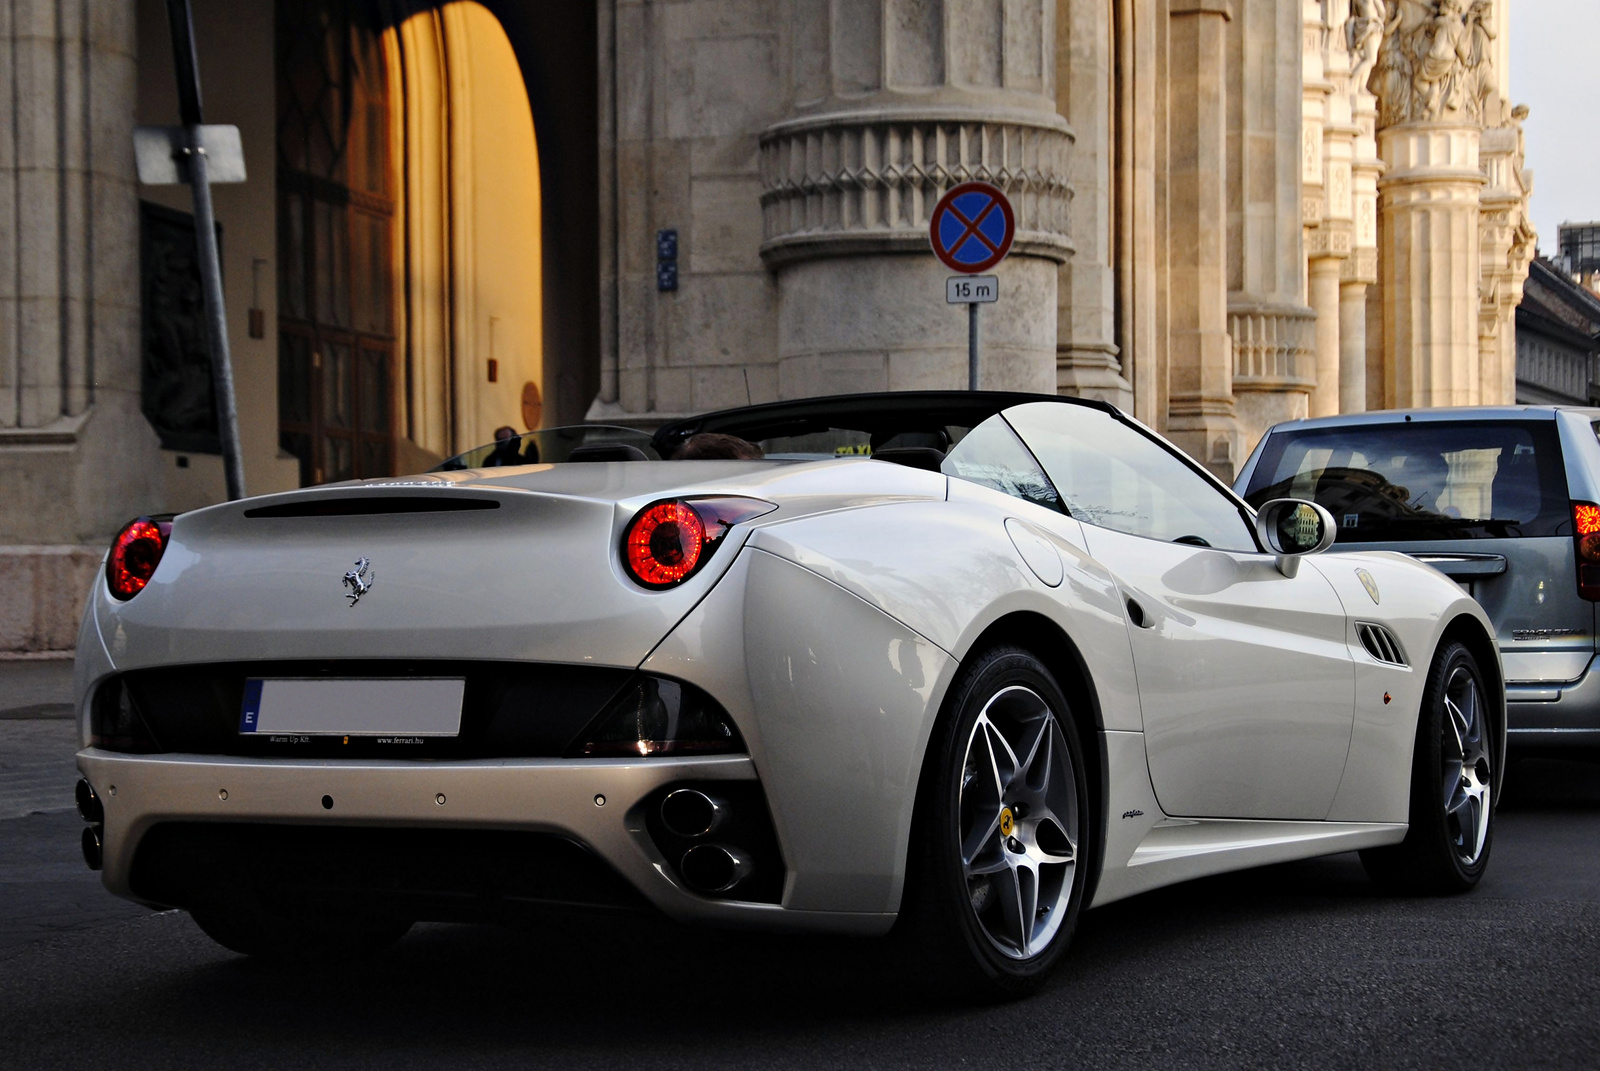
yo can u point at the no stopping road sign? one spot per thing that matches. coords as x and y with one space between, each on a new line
971 227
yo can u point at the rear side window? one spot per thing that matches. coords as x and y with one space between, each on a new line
1422 480
993 456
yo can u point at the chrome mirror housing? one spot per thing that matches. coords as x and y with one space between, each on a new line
1292 528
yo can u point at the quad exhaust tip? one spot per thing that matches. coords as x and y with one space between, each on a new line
93 852
690 813
89 808
713 868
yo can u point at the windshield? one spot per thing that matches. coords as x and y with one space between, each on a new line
577 442
1421 480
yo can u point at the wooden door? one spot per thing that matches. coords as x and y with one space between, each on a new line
336 342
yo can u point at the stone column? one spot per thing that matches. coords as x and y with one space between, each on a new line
1342 42
1429 263
1326 140
1323 285
1088 360
1200 407
1272 151
1352 347
77 457
69 269
1360 270
1506 241
894 102
1438 89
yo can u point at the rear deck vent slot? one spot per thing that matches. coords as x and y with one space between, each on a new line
1381 643
370 505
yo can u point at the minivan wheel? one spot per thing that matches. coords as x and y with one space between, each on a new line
1000 845
1447 846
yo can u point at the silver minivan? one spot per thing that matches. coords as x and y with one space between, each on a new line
1504 500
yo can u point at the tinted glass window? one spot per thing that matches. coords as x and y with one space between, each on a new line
992 455
1112 475
1421 480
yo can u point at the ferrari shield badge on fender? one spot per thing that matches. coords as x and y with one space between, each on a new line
359 580
1370 584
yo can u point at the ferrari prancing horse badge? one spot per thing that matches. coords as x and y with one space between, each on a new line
359 580
1370 584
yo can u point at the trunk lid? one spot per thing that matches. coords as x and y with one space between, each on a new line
518 564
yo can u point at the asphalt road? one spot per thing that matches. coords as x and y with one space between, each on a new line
1293 966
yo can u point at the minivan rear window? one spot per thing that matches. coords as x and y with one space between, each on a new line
1422 480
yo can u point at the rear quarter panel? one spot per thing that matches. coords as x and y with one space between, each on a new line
833 642
949 571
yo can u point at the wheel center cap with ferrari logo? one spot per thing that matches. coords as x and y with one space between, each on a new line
1008 822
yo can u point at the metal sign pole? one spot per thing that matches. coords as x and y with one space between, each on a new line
972 345
971 230
194 155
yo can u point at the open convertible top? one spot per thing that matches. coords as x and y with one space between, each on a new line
880 415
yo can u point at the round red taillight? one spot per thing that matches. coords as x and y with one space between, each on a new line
664 544
135 553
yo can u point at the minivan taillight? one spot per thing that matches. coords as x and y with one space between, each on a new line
1586 541
135 553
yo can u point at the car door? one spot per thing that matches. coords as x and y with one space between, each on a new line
1245 679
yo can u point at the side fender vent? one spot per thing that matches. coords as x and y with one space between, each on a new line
1381 643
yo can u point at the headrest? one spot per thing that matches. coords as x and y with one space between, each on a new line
935 439
608 452
918 457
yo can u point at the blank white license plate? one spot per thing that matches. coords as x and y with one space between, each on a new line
428 706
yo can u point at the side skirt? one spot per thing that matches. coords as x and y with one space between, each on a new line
1146 850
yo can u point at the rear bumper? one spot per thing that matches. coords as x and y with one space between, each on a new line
548 796
1560 714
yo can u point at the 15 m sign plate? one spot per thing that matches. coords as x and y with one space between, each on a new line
413 706
971 289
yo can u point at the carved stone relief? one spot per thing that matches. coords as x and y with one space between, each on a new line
1364 36
1435 62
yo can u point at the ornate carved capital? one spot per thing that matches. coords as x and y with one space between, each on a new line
1331 238
1362 267
852 183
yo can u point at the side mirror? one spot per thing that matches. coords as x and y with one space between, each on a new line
1292 528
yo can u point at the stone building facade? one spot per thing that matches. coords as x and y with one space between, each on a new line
1558 339
458 215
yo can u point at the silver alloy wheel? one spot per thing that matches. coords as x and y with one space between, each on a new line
1467 777
1018 822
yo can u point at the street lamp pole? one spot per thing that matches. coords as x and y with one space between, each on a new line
193 154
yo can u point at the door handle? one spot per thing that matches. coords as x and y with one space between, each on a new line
1137 615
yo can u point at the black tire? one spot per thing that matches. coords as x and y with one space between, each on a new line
1446 849
283 938
955 925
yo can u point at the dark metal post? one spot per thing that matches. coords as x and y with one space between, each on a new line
188 71
972 345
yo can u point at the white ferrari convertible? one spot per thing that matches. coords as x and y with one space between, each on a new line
953 665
